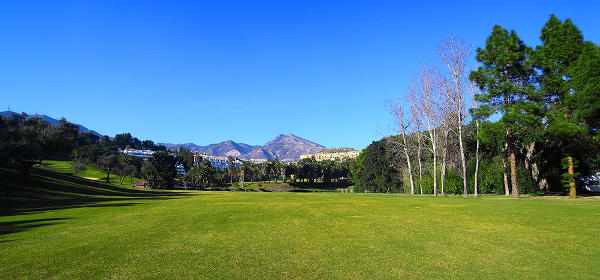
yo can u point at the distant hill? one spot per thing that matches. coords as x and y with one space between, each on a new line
223 149
50 120
283 147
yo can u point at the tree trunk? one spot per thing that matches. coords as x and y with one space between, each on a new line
572 189
434 170
242 174
25 170
420 162
462 157
410 173
444 159
504 160
475 192
513 165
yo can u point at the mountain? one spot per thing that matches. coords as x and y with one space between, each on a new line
223 149
229 148
51 120
283 147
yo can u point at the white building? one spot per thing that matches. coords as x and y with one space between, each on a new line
144 154
215 161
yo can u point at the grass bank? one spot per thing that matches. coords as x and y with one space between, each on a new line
121 233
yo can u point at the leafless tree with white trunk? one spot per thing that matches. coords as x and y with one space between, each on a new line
423 94
402 127
454 53
474 104
419 133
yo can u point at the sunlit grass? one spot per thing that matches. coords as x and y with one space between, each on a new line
92 173
248 235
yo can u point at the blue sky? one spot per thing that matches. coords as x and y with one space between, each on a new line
210 71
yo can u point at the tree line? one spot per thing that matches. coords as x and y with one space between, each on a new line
524 120
29 141
203 175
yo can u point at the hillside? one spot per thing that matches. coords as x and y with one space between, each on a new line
51 120
283 147
51 190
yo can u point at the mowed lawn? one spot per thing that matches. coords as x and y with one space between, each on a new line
254 235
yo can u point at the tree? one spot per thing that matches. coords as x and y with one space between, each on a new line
423 92
161 172
105 140
185 157
454 53
132 171
28 141
108 164
125 166
87 138
244 167
475 105
506 79
277 169
123 140
232 170
569 75
79 165
377 174
396 109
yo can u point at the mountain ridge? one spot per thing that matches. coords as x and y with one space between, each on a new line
283 147
51 120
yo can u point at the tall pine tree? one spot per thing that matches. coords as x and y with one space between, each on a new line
506 79
569 82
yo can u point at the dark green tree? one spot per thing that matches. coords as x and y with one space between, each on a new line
87 138
161 173
28 141
186 158
376 172
506 79
568 80
125 140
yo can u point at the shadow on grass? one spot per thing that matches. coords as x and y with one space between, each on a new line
310 187
47 190
18 226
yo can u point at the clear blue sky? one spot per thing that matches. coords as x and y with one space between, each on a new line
209 71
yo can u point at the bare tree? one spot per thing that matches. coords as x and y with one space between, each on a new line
397 110
474 104
454 53
422 95
418 126
445 130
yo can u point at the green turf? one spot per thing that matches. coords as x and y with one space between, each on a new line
93 172
109 232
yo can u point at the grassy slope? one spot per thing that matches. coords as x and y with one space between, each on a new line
74 228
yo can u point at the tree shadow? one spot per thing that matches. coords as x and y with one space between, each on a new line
47 190
19 226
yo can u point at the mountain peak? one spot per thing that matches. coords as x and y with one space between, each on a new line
283 147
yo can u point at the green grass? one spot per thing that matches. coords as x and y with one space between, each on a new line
93 172
72 228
